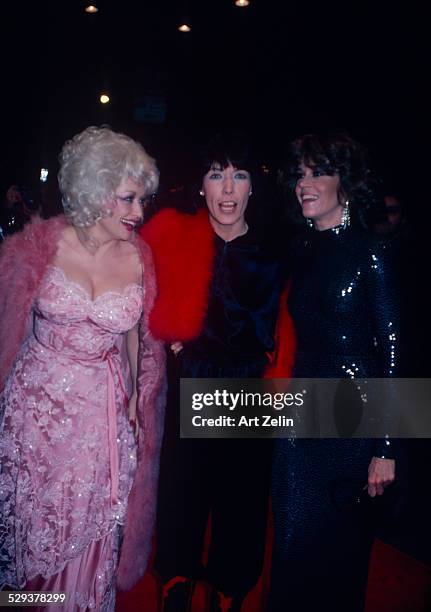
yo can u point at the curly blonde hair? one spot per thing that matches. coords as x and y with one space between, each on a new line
93 164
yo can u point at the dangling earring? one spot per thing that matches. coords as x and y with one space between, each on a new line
345 217
310 223
201 192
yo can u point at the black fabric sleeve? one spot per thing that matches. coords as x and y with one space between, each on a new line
383 298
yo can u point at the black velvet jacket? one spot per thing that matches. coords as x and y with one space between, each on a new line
241 314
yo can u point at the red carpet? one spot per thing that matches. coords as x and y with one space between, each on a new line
397 583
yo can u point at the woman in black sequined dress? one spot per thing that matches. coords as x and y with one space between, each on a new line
345 309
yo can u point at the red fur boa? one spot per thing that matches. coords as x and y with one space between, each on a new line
183 251
281 360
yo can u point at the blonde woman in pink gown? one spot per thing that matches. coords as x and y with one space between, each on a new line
73 295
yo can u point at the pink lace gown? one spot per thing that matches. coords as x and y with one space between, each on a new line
67 451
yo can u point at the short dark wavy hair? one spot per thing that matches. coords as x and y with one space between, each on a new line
334 154
226 148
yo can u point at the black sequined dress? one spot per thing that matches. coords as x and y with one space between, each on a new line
344 305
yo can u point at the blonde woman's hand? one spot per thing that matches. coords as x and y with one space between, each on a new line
381 473
176 347
132 415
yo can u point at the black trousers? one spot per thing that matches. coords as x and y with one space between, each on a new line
225 478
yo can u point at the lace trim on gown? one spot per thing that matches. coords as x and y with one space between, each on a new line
67 450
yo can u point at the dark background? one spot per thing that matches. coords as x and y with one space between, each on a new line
277 69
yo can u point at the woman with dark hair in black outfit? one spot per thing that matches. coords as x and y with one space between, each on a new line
344 307
228 335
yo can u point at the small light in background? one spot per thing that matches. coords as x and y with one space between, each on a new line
91 9
184 28
242 2
265 169
43 175
104 98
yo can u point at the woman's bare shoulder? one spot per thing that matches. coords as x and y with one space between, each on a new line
128 255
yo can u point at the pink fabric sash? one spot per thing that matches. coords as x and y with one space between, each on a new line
111 356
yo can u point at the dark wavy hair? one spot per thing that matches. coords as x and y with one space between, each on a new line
334 154
227 148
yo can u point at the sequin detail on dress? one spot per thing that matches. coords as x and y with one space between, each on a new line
67 458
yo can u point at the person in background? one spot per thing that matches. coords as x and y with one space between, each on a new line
18 208
394 219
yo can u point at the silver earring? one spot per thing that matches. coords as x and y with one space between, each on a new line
201 192
345 217
310 223
250 193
